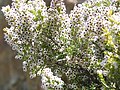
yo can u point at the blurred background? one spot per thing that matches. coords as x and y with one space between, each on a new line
11 75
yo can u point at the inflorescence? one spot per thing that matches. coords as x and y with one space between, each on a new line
69 51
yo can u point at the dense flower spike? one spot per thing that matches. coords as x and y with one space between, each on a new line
76 51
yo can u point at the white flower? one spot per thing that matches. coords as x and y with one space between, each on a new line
99 71
5 9
44 79
68 57
62 49
25 63
116 17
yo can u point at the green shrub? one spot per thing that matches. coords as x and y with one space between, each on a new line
75 51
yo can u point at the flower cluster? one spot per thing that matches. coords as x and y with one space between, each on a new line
51 81
80 50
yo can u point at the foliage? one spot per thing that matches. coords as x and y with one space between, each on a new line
75 51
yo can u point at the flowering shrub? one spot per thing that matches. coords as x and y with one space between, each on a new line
75 51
